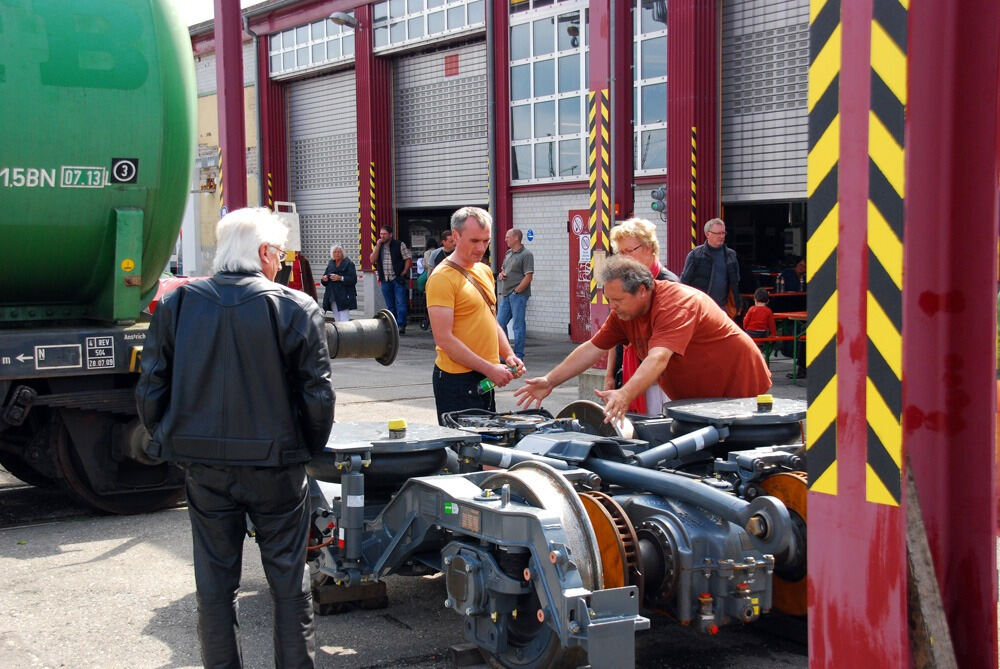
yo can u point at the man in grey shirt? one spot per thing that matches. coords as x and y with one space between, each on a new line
515 288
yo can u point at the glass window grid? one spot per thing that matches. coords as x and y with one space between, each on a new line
398 23
550 158
646 146
308 46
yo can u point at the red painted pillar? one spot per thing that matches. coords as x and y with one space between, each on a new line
949 309
599 124
372 86
229 87
274 146
502 213
622 152
692 102
857 548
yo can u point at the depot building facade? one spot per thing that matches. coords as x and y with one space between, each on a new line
542 112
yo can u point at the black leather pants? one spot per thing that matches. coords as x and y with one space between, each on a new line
275 498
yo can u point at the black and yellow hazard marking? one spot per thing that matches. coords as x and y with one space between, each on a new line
599 169
371 200
270 191
218 183
822 225
884 309
694 186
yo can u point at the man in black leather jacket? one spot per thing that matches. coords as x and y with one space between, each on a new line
235 387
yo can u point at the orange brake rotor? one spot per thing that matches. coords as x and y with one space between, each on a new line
791 488
616 540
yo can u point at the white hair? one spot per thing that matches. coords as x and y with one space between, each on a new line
239 235
335 247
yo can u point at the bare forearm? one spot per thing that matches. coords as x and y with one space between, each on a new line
525 282
506 350
647 373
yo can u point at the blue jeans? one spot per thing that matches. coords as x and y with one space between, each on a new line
394 293
514 306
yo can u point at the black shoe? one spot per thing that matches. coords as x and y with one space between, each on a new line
424 325
402 331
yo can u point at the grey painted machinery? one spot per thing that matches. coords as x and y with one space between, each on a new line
553 551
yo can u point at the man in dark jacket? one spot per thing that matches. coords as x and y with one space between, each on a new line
236 387
392 261
713 268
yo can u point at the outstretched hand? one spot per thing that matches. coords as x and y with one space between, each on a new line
615 404
534 390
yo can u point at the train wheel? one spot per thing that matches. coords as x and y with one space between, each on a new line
790 577
144 488
616 538
19 469
531 641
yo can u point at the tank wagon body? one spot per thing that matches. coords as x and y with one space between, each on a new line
98 133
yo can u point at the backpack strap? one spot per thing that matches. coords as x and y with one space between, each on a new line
491 303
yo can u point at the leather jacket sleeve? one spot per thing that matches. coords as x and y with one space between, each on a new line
153 389
315 395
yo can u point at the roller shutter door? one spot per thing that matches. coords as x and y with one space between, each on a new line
765 62
323 165
439 121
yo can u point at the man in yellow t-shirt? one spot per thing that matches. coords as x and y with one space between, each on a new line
461 304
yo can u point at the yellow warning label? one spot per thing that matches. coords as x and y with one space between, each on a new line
128 265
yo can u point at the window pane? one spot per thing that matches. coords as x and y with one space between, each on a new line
274 43
396 9
520 122
302 58
519 6
541 3
319 52
569 116
654 17
380 12
333 48
654 150
569 73
397 32
477 12
332 28
520 82
635 61
456 17
568 31
415 27
545 160
288 39
545 119
348 43
414 6
318 30
435 22
569 157
288 61
302 34
520 44
654 104
543 37
654 58
545 77
275 64
381 36
434 3
521 159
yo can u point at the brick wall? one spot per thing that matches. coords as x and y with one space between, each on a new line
545 214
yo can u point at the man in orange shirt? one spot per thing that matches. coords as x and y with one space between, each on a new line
685 342
461 305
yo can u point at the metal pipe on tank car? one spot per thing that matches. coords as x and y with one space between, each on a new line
679 446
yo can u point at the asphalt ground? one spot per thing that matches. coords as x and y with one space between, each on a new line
81 589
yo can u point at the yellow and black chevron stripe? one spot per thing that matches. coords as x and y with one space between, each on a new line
371 200
270 191
886 168
694 186
218 183
822 224
599 168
